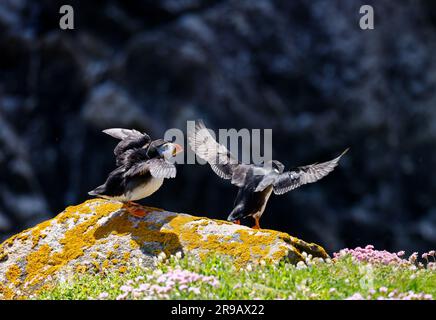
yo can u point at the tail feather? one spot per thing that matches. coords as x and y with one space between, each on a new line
236 214
98 191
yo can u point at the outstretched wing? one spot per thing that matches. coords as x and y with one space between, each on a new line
120 133
158 168
290 180
220 159
130 139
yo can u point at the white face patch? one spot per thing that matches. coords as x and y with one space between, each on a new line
167 150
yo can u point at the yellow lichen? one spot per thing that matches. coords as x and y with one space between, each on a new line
13 274
126 256
81 269
121 225
250 246
134 244
6 293
96 265
37 232
3 254
105 264
37 262
43 263
74 212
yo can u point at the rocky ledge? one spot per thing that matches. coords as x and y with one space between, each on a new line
100 235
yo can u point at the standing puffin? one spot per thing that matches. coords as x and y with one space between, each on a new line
142 167
255 182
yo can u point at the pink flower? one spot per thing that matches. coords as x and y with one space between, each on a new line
195 290
368 254
103 295
126 288
383 289
356 296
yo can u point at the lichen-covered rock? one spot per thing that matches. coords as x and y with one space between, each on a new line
101 235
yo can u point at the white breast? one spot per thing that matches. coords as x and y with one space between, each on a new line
146 189
260 212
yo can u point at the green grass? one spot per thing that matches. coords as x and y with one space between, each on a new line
340 279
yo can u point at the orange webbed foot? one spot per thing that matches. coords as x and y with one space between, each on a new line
256 226
135 209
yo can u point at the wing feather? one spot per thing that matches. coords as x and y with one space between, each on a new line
207 148
158 168
290 180
130 139
121 133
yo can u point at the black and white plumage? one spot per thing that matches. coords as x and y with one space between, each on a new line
130 139
142 166
256 182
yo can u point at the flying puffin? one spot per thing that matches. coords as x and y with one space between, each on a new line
255 182
142 166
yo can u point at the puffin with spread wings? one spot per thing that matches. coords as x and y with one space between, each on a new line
142 166
255 182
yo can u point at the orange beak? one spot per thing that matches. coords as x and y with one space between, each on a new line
178 149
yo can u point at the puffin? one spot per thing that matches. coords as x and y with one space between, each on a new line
256 182
142 166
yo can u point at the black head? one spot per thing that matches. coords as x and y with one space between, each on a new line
164 149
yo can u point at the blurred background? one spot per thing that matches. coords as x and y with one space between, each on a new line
302 68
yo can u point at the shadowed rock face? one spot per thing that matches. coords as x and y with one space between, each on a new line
302 68
100 235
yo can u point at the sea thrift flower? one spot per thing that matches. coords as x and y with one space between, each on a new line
160 285
195 290
103 295
356 296
413 257
126 288
368 254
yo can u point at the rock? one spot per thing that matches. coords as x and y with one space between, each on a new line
99 235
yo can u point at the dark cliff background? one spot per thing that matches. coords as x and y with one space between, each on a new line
303 68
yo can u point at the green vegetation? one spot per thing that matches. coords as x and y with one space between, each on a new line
216 278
